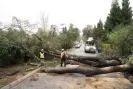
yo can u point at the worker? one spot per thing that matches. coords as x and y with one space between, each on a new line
99 50
42 56
63 58
26 58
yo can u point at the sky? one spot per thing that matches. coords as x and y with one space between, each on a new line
78 12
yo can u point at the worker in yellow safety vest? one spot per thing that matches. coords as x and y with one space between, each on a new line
42 57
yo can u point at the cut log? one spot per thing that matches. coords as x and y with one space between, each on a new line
90 72
30 69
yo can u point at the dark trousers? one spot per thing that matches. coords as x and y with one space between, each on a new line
41 61
63 61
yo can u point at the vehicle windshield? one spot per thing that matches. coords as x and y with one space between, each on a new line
89 43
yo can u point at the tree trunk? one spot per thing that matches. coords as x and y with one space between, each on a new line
95 64
95 59
83 59
90 72
34 64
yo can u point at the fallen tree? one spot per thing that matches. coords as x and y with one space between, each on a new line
83 58
89 72
95 64
92 61
95 59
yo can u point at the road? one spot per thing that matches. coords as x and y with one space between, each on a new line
80 52
75 81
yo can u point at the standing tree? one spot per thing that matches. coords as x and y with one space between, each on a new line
100 24
87 32
98 31
126 12
68 37
114 18
73 32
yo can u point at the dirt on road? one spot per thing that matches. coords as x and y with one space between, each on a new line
75 81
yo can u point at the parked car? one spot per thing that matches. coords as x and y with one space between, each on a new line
78 45
90 49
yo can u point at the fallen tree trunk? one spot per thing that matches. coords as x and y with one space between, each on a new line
95 59
82 58
109 63
92 61
34 64
52 54
96 64
90 72
30 69
72 62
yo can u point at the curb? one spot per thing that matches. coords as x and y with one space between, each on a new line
9 86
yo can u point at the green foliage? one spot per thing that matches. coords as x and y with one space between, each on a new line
121 38
118 16
9 54
114 18
16 43
109 50
68 37
126 12
87 32
129 60
98 32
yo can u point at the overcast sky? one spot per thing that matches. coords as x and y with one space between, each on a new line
78 12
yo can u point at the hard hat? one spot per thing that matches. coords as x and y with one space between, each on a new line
41 49
62 49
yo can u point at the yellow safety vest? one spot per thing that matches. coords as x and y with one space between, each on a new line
41 55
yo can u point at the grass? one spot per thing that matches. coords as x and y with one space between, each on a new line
3 82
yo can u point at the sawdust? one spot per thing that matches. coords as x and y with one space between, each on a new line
34 77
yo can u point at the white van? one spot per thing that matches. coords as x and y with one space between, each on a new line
90 46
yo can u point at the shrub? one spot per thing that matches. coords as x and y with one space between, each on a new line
9 54
122 40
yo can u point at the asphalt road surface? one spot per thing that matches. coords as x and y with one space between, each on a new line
80 52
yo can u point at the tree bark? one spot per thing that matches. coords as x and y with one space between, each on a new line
83 59
95 64
34 64
90 72
95 59
53 54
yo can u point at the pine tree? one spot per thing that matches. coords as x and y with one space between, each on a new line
126 12
98 31
114 18
100 24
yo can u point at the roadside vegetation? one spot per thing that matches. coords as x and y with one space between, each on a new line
16 42
115 35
